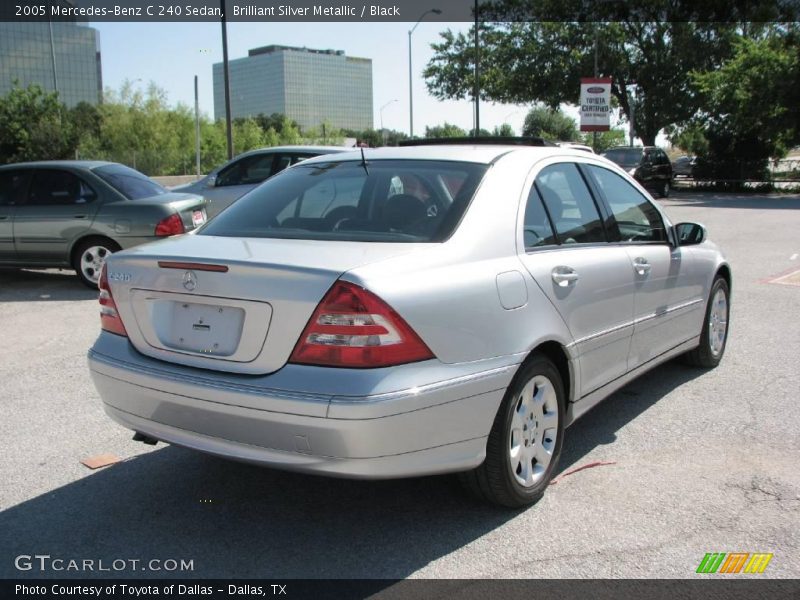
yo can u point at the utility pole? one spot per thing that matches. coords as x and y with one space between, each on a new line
227 84
477 92
53 57
197 127
596 74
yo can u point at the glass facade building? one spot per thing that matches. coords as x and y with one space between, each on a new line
311 87
26 56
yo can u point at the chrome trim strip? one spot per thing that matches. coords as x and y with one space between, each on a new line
424 389
208 382
637 321
667 311
301 396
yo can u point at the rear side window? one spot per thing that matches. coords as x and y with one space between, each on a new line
12 187
51 187
537 230
569 204
128 182
387 200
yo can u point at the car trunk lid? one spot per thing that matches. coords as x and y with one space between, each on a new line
182 303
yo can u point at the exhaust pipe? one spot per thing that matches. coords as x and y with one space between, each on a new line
145 439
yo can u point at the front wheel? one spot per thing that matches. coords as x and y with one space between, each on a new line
525 442
90 258
714 336
664 190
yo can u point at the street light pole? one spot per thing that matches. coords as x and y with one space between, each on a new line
477 91
383 131
228 126
435 11
197 127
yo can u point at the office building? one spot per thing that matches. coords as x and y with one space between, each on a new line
309 86
26 55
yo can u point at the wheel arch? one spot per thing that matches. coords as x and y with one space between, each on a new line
724 271
559 356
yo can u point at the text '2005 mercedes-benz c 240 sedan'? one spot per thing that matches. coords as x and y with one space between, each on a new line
408 311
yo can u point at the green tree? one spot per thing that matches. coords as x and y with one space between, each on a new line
605 139
34 125
446 130
504 130
550 124
750 108
534 61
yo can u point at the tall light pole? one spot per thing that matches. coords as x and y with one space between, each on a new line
383 131
196 127
477 90
226 78
435 11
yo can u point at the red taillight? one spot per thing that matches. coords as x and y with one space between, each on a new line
352 327
171 225
109 317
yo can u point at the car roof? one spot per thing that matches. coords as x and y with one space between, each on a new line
477 153
270 149
74 164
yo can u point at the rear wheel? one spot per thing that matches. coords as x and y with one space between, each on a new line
714 336
90 257
664 190
525 442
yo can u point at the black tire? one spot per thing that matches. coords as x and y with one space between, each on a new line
705 355
664 189
89 275
494 481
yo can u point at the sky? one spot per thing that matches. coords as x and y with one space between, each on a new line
171 54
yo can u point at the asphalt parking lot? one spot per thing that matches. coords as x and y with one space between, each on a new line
701 461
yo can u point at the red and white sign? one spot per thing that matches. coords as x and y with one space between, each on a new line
595 103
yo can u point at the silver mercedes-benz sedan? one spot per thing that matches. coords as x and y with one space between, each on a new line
408 311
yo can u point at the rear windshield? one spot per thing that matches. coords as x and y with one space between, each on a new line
386 201
128 182
625 157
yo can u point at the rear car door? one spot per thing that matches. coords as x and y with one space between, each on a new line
588 280
59 207
664 306
13 187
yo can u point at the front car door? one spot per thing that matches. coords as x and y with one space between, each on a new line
59 207
665 305
236 179
588 280
13 187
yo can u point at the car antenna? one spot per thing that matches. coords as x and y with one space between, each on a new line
364 161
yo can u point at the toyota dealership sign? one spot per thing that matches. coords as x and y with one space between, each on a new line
595 103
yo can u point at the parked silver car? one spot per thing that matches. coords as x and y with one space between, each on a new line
74 214
408 311
235 178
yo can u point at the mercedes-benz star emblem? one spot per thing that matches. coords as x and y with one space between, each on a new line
189 280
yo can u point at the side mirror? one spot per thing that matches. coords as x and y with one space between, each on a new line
690 234
211 181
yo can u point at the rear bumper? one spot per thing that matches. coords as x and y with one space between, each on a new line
436 427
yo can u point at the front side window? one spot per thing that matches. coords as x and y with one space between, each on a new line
636 218
128 182
249 170
386 200
569 204
52 187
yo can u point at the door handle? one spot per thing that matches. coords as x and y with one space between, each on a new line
564 276
79 216
641 266
3 217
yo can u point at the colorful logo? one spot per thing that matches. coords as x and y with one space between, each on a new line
734 562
